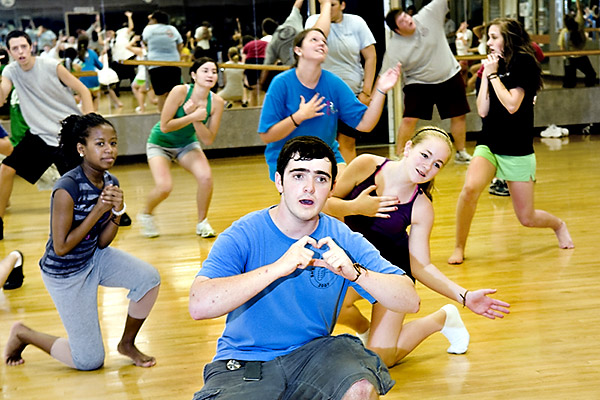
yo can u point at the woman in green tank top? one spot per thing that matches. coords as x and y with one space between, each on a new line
191 113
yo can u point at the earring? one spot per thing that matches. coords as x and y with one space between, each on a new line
80 154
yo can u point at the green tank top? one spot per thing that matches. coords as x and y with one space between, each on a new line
181 137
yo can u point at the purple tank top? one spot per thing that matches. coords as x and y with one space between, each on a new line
388 235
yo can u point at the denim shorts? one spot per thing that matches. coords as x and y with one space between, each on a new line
324 368
170 153
509 168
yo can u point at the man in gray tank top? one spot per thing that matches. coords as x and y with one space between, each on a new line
44 89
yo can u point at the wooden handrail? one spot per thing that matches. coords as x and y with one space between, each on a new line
189 64
557 53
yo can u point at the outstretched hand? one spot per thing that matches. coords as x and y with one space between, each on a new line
389 78
479 302
375 206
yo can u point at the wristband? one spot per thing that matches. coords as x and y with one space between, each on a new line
119 213
357 268
381 91
293 121
464 298
492 76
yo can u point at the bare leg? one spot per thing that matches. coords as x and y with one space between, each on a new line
347 147
7 178
405 132
20 337
479 174
163 183
140 96
113 98
361 390
393 340
138 311
7 264
523 204
161 101
197 164
458 127
350 315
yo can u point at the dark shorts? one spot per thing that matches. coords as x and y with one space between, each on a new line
253 75
164 79
322 369
450 97
32 156
348 130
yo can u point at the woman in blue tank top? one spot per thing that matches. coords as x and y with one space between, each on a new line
191 113
380 199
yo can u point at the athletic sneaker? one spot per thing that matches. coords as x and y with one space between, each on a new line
462 157
499 188
149 228
205 230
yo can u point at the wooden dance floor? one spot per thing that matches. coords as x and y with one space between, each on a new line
548 347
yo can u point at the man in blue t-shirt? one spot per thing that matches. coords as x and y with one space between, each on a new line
280 275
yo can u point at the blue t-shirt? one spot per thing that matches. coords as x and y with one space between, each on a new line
283 99
85 196
294 309
91 63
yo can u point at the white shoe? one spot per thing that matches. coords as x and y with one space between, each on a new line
148 226
462 157
48 178
554 131
204 229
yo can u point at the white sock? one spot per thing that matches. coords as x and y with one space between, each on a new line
455 331
19 258
364 337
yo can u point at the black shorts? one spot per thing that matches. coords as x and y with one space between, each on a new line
253 75
32 157
450 97
348 130
164 79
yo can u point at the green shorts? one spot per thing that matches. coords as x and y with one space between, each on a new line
509 168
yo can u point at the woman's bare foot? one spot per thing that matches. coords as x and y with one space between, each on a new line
564 238
139 358
457 257
15 346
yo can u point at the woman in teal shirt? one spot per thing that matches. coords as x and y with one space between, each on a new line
191 112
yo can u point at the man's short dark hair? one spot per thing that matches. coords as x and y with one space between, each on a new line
304 148
269 25
390 18
161 17
17 34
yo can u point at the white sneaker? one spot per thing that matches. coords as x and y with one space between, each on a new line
204 229
462 157
148 226
48 178
553 131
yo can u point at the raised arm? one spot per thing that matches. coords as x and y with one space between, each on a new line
384 83
211 298
129 16
324 21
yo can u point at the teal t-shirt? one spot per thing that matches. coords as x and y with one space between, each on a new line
181 137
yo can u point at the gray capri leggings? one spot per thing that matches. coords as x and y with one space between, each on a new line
76 299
